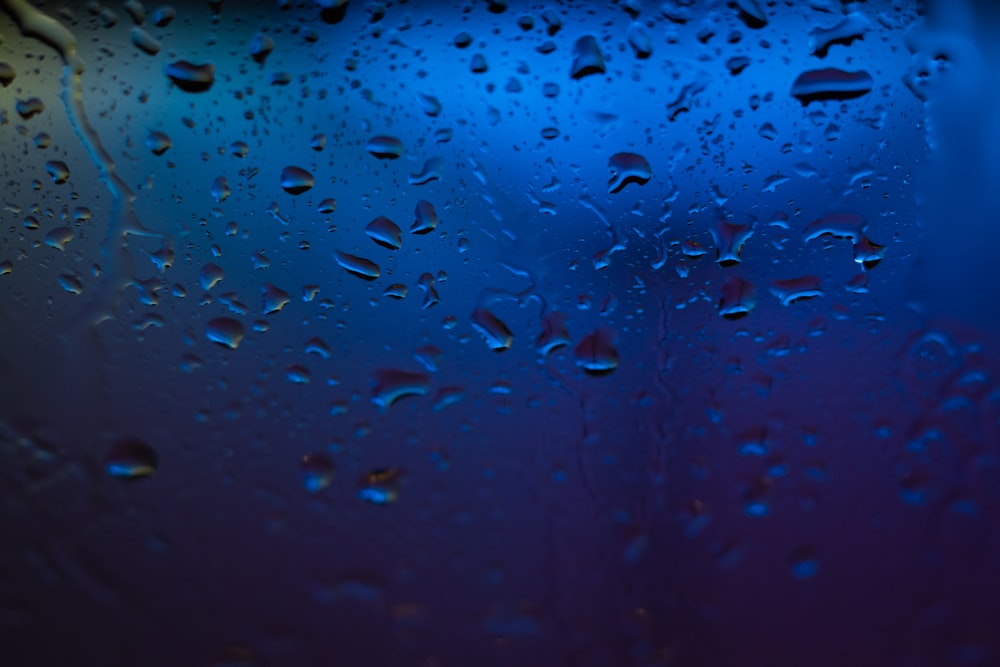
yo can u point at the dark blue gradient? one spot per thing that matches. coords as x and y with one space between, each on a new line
508 334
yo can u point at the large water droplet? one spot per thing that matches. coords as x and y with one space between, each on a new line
273 299
7 74
830 84
210 275
851 27
261 46
729 239
359 266
628 168
296 180
189 77
426 218
596 353
385 232
587 58
433 170
385 147
391 385
738 298
796 289
225 331
58 170
59 237
496 334
220 189
158 142
145 42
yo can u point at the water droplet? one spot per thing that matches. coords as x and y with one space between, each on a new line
260 47
210 275
385 232
317 472
596 353
225 331
59 237
327 206
189 77
554 333
391 385
838 225
358 266
430 104
729 239
385 147
70 283
432 171
295 180
274 299
297 374
639 40
851 27
163 15
131 459
796 289
628 168
426 218
462 40
496 334
239 148
750 13
145 42
396 291
6 267
7 74
478 64
868 253
803 563
58 170
158 142
29 107
220 189
381 486
738 298
830 84
737 64
587 58
43 140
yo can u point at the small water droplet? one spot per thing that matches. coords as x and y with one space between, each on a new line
317 472
131 459
59 237
220 189
158 142
385 147
260 47
381 486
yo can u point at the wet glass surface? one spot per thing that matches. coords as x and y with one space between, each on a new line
499 333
